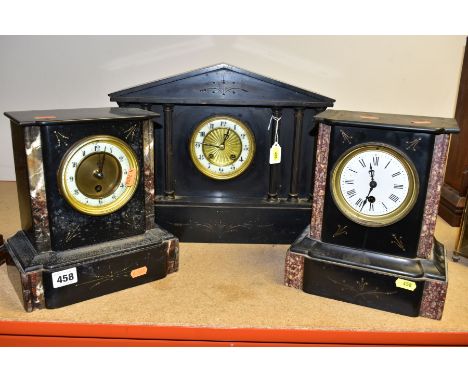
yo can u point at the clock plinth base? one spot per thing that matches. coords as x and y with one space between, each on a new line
96 269
407 286
201 220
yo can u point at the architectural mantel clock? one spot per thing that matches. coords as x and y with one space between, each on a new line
85 180
214 178
378 180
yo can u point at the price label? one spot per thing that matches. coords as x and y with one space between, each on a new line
275 153
405 284
139 272
131 177
65 277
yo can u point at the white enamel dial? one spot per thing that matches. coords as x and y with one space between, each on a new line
98 175
222 147
374 185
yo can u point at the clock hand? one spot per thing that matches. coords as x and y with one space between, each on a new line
372 184
371 172
365 199
98 174
208 144
226 136
102 161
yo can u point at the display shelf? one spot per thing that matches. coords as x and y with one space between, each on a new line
224 295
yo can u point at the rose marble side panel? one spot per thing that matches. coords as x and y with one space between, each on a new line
433 299
434 188
321 164
294 270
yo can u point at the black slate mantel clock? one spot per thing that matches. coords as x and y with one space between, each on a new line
85 180
377 187
214 180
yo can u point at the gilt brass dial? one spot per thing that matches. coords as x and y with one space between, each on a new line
374 184
222 147
98 175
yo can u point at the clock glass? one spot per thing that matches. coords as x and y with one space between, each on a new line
374 184
98 175
222 147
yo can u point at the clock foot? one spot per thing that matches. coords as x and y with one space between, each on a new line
413 287
169 195
56 279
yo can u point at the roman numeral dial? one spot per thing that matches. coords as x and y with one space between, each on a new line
374 184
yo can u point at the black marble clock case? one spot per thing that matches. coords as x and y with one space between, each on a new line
111 252
267 203
399 268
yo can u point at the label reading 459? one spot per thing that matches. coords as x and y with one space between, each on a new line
65 277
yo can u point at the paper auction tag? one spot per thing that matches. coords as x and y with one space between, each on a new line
405 284
275 153
65 277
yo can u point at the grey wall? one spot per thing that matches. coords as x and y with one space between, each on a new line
395 74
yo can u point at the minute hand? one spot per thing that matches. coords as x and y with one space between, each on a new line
209 144
367 197
226 136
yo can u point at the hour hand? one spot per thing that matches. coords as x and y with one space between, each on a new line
371 171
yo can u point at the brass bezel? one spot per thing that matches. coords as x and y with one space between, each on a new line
372 220
241 169
118 203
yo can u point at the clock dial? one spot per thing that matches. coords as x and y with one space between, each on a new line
374 185
98 175
222 147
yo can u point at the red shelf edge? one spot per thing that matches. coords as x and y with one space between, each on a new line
254 335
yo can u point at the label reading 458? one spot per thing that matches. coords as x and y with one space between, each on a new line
65 277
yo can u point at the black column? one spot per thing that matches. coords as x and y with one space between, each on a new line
294 185
168 152
274 168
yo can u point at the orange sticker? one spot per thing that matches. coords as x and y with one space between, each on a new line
131 177
369 117
139 272
45 117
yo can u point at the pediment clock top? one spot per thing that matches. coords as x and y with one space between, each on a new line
221 84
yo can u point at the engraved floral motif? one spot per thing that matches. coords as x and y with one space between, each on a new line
62 139
398 241
411 145
219 228
131 132
110 275
73 232
346 137
361 289
223 87
340 231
